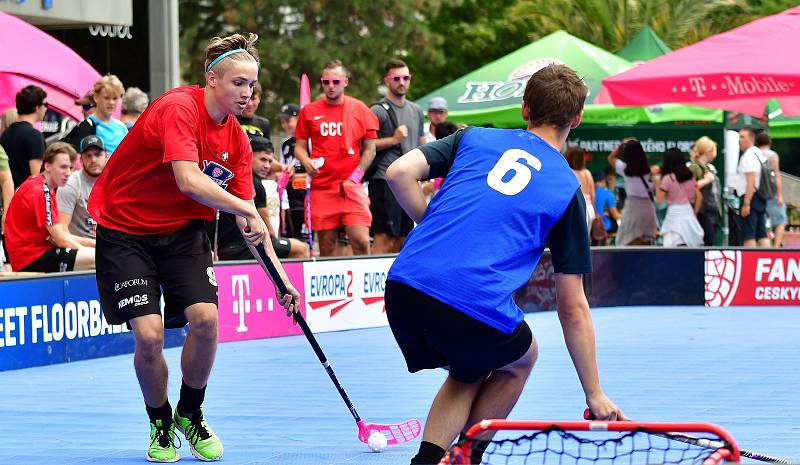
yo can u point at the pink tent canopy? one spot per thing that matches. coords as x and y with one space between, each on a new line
28 55
739 70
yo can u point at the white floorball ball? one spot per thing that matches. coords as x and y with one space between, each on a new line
377 441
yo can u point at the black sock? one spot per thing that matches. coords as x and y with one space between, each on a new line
429 454
477 449
191 399
159 413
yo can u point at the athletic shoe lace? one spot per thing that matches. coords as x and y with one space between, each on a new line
197 430
164 439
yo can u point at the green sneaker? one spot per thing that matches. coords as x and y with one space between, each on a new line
162 442
205 444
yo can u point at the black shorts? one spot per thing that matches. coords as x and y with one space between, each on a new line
132 271
242 252
54 260
388 216
754 226
432 334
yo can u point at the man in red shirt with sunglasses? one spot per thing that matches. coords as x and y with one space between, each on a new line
401 131
342 131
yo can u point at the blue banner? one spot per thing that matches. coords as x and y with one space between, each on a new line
47 320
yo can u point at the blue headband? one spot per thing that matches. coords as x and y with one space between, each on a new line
219 58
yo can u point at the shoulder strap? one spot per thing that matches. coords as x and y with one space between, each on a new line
647 188
390 111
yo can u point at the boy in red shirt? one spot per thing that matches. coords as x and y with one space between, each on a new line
34 238
185 157
342 131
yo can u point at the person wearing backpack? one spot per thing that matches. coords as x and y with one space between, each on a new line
753 207
776 209
400 131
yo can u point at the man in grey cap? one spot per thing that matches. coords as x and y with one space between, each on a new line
437 113
74 196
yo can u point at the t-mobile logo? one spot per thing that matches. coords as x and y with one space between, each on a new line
240 288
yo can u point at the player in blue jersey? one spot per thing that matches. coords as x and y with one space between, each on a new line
507 193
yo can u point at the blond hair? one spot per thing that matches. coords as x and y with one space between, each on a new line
220 45
703 145
110 82
9 117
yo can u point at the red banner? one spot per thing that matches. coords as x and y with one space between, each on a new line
752 277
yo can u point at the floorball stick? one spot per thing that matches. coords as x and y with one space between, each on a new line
395 433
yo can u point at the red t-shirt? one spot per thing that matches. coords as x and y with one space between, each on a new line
324 124
137 193
33 208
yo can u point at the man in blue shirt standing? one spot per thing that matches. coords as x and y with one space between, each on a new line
507 193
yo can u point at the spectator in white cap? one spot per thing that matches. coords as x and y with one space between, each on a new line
134 101
437 113
74 196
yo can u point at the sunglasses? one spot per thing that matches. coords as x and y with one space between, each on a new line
335 82
398 77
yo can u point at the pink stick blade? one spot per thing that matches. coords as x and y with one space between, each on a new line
395 434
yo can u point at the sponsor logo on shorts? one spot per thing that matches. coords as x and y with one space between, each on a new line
130 283
212 278
218 173
136 300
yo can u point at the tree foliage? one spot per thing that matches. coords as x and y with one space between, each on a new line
440 39
300 36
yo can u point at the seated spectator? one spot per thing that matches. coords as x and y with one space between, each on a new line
677 184
134 101
228 240
73 198
251 123
296 190
23 143
274 177
107 94
605 207
36 241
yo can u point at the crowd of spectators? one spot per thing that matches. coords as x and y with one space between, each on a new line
327 183
688 188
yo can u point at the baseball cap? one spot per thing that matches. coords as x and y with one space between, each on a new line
289 110
92 141
437 103
598 175
86 100
261 144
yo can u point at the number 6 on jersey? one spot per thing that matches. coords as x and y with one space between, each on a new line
510 161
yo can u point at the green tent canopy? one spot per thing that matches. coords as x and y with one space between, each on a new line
491 95
782 127
644 46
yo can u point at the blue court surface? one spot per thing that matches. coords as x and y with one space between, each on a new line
272 403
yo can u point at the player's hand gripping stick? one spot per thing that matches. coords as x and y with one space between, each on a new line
395 433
